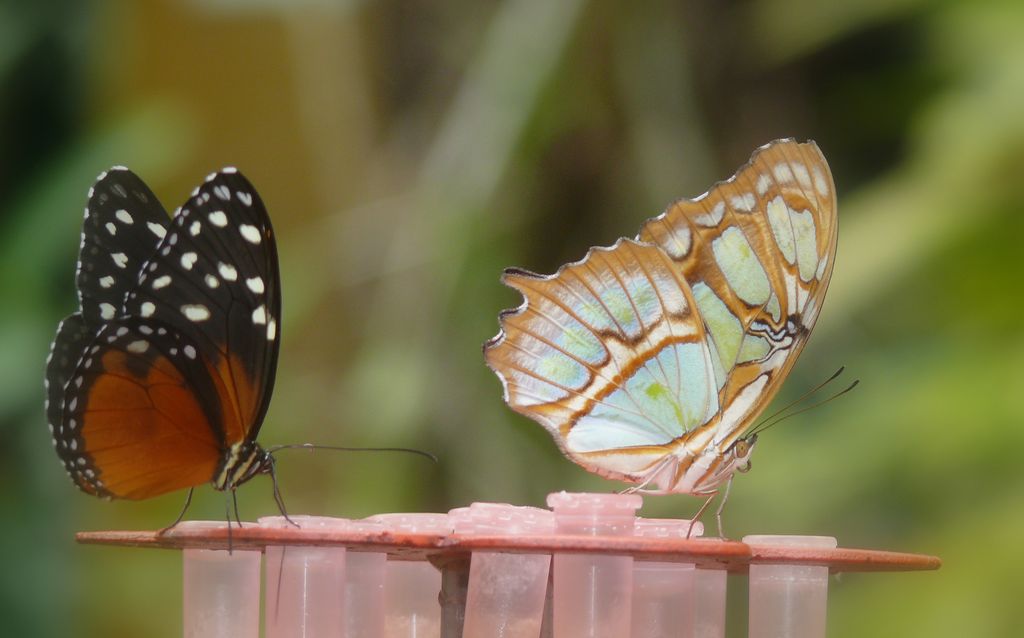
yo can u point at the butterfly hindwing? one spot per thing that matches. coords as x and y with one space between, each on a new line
610 355
137 413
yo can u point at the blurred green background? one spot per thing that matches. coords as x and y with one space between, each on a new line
408 151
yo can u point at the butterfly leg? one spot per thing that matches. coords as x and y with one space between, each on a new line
721 506
227 515
700 512
651 475
234 502
181 514
277 494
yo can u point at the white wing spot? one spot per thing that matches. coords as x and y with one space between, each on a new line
138 347
147 309
250 233
802 176
783 173
120 259
222 192
820 183
123 216
227 271
146 330
244 197
820 272
195 228
218 218
195 312
744 203
107 311
190 352
763 183
211 281
259 316
229 170
271 330
122 331
188 260
161 282
106 282
157 229
711 218
111 228
255 284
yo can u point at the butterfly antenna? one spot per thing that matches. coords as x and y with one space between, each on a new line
767 424
803 397
338 448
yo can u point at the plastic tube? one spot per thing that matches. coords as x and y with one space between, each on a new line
411 588
506 591
221 590
709 608
788 600
593 592
664 592
305 584
364 587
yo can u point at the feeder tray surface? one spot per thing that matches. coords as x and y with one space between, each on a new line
708 553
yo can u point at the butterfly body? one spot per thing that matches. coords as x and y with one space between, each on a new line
162 379
649 360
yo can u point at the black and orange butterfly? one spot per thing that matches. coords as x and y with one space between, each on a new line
162 379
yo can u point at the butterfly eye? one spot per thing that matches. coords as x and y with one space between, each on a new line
741 449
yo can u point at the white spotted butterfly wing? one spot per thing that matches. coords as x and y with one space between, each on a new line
648 361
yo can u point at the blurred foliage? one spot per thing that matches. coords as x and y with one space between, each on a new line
408 151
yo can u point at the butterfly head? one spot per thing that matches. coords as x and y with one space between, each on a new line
738 454
243 461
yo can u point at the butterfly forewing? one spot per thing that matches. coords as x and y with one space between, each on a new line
124 222
647 361
758 250
214 278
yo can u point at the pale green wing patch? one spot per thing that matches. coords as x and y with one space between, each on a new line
608 352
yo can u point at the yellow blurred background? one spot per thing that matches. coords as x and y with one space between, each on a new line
409 151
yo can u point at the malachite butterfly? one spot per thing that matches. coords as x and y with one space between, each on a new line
650 360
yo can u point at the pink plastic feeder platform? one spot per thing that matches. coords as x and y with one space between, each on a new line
588 569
